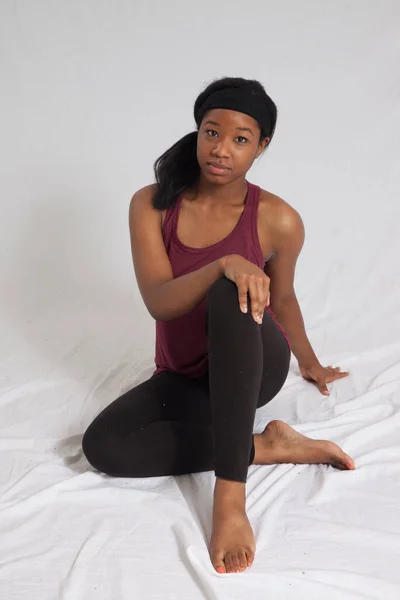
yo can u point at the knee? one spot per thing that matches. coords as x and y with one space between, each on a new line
221 291
92 444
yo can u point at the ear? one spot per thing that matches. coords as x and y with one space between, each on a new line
265 142
262 145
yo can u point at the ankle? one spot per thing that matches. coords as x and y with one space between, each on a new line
229 493
259 449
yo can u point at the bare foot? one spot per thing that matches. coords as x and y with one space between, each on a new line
232 544
280 443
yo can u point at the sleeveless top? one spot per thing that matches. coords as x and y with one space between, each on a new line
181 343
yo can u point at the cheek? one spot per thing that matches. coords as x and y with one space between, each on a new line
203 150
200 145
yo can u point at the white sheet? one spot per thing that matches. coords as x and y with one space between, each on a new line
84 119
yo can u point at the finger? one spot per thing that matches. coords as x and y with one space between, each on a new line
343 373
267 291
323 389
255 304
336 376
242 293
332 369
261 296
268 298
337 369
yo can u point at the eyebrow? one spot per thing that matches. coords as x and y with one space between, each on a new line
240 128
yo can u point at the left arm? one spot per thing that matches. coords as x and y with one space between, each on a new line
280 269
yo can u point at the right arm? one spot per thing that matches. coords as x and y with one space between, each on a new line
165 298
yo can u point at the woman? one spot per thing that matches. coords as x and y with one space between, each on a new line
214 257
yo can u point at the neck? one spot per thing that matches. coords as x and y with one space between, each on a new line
210 194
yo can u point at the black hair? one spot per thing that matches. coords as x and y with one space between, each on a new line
178 167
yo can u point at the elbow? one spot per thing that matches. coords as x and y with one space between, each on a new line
152 299
158 317
282 302
158 314
160 305
154 313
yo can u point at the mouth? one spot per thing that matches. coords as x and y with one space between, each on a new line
217 169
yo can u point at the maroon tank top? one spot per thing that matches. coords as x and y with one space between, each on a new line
181 343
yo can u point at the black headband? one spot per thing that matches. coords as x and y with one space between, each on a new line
240 99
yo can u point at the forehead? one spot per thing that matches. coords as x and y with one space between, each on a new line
226 117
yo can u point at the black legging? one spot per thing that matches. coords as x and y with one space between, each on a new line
172 424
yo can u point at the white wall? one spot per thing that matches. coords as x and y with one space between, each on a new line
92 92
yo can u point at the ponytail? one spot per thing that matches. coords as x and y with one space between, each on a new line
176 170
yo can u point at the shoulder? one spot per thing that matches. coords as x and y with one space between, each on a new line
142 203
279 216
144 195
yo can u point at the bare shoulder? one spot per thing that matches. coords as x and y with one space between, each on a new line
141 204
278 215
144 195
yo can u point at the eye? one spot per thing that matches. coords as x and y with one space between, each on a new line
239 136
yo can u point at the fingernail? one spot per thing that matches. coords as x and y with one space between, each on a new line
244 308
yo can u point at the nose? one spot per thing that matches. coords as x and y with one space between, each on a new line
221 149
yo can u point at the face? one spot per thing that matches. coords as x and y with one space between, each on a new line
231 139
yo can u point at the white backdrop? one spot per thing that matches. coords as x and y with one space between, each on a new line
92 92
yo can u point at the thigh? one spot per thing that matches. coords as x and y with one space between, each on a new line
276 360
167 396
160 427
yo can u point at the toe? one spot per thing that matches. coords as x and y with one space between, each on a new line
236 563
349 462
242 560
250 557
218 563
344 462
229 564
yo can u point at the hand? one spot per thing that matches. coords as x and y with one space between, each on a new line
249 278
322 375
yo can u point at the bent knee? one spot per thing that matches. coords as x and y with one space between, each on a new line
93 447
222 288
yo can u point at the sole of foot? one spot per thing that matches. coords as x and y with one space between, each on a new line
280 443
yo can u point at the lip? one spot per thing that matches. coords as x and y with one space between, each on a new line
217 167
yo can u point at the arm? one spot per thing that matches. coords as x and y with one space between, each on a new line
289 239
166 298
